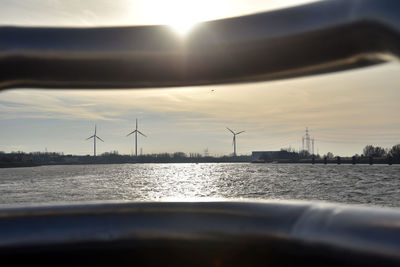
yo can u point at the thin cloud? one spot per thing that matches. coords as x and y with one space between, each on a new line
343 108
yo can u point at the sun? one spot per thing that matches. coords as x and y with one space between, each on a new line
182 15
182 27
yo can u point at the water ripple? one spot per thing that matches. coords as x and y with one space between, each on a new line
361 184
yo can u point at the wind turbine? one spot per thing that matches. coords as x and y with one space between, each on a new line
136 131
94 140
234 140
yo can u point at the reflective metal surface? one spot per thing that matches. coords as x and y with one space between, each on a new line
316 38
262 231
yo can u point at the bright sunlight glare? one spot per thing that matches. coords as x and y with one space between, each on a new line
183 15
182 27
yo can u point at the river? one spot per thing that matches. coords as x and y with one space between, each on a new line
355 184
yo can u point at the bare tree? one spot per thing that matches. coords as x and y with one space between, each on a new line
371 151
395 151
329 155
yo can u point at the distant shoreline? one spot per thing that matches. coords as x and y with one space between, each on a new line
340 161
21 159
2 166
18 160
112 163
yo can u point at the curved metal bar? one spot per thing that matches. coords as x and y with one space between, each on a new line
281 232
316 38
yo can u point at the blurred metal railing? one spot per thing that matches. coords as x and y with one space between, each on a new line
245 233
316 38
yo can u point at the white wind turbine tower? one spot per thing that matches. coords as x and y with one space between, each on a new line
136 131
94 140
234 140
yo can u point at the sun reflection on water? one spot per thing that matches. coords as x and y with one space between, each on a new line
183 182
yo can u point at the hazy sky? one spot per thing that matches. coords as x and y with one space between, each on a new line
117 12
344 111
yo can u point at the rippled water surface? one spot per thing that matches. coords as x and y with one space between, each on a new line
377 184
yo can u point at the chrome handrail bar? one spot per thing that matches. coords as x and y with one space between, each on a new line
316 38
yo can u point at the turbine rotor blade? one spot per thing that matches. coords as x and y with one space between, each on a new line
240 132
141 133
99 138
230 130
131 133
89 137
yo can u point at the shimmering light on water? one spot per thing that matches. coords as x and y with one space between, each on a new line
377 184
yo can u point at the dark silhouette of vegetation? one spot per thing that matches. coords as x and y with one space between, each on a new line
329 155
21 159
288 155
395 152
372 151
371 155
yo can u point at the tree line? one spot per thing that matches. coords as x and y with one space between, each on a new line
370 152
22 159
